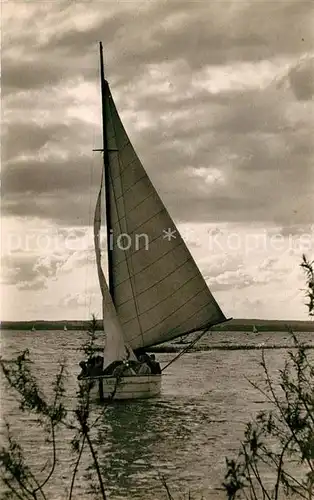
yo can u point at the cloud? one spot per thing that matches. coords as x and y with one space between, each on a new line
47 177
202 62
46 257
245 277
301 78
62 190
74 300
20 271
217 99
30 272
30 139
80 299
197 33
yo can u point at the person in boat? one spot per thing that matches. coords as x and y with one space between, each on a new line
84 370
154 365
124 369
144 368
108 371
110 368
151 362
98 365
92 368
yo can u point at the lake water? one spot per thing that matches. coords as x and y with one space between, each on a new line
183 435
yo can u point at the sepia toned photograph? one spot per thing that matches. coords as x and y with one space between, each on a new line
157 250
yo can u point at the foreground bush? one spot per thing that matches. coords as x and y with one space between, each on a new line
276 457
52 415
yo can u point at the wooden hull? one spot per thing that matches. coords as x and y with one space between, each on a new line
132 387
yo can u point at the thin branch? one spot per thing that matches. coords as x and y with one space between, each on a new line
278 405
279 466
170 497
102 489
54 460
9 485
23 487
285 473
256 474
76 467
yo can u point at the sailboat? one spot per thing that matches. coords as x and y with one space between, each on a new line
65 328
155 291
254 330
33 328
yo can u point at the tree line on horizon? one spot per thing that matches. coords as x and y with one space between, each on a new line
232 325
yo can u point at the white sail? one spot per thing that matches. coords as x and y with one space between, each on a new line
158 291
116 348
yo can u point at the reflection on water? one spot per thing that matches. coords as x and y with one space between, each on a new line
183 435
134 438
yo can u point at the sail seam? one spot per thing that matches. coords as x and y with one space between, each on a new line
123 147
180 325
212 322
166 317
142 223
131 209
127 166
203 326
180 242
128 263
158 282
150 265
130 187
196 312
160 302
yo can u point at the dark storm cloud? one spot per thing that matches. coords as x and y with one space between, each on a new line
60 190
37 182
60 208
301 78
54 62
37 176
265 159
218 33
198 32
35 75
30 137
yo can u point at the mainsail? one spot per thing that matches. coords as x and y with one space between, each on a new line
116 346
157 289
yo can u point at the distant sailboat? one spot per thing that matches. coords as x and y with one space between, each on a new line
33 328
65 328
254 330
156 292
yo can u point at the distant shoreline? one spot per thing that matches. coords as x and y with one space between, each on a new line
230 347
231 326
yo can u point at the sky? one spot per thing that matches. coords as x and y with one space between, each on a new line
217 99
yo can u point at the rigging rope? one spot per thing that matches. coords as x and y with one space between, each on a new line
191 344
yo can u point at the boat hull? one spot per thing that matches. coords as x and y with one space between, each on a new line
104 388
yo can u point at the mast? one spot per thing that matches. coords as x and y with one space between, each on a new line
104 94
